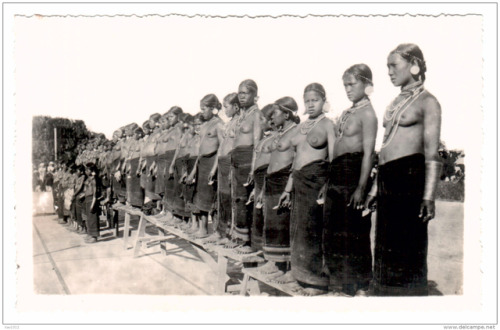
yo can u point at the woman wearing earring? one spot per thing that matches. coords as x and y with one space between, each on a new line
222 168
276 209
259 169
248 134
409 169
313 145
211 134
347 233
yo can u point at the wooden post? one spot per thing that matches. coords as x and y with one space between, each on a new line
55 143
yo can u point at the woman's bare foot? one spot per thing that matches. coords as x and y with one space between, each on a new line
245 249
284 279
268 268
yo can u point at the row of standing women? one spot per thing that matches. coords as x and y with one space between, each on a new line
299 192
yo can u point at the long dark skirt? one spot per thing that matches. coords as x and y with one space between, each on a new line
258 215
60 203
79 208
179 204
151 181
168 181
401 236
346 234
241 162
144 176
135 194
188 191
92 217
161 164
306 234
276 222
224 211
205 194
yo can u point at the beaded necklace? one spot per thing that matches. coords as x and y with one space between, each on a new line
396 111
281 133
244 115
347 113
309 124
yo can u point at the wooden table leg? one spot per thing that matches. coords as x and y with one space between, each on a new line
141 231
244 285
163 244
126 229
221 274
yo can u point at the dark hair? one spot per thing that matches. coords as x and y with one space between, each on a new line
316 87
145 125
288 104
360 72
267 111
175 110
183 116
232 99
199 117
80 168
211 101
412 54
250 84
138 130
189 119
155 117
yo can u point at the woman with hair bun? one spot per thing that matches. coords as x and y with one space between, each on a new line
248 134
222 168
259 169
408 172
347 232
210 136
313 145
276 229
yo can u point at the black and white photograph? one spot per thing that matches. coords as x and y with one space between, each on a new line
250 163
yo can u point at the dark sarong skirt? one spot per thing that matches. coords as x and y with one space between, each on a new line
276 222
158 183
258 215
224 211
347 234
135 194
144 176
179 203
188 192
168 197
79 208
306 224
401 236
92 217
151 182
205 194
241 162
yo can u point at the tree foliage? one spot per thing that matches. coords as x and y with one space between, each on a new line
69 134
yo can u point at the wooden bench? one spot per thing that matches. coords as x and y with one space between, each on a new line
251 279
215 256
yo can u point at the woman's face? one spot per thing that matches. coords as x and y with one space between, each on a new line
172 119
313 102
197 126
206 111
399 70
246 96
230 109
354 88
279 117
188 128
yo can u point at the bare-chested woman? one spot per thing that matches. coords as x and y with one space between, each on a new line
313 145
259 169
135 194
347 233
248 134
177 167
148 157
192 135
409 169
125 164
222 167
156 164
165 148
210 136
276 230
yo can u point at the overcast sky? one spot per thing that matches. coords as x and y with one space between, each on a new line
113 71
